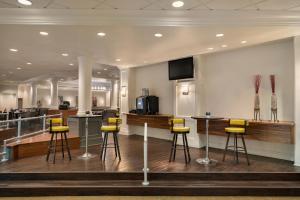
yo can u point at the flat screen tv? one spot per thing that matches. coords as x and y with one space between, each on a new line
181 68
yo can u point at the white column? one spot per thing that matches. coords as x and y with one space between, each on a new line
84 88
297 99
34 95
54 93
114 94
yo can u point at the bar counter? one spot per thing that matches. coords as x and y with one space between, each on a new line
268 131
153 121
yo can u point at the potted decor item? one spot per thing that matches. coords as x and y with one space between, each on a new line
256 99
273 100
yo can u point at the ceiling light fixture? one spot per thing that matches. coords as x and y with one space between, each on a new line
220 35
244 42
118 59
98 72
71 64
177 4
101 34
44 33
65 54
158 35
19 68
210 48
224 45
29 63
13 50
105 69
25 2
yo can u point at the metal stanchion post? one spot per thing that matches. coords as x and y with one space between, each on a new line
145 182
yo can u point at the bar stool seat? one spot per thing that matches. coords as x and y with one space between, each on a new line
178 129
56 128
60 128
234 130
109 128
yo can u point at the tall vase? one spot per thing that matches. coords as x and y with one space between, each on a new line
256 107
274 107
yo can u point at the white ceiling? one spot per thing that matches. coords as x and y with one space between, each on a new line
73 24
159 4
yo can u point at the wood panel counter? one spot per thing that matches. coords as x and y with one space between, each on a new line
153 121
277 132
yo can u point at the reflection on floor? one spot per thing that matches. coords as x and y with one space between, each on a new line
132 160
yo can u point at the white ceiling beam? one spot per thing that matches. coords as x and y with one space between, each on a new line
147 18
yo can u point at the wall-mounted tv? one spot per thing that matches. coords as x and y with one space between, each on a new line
181 68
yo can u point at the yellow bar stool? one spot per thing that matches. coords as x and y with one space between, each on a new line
177 126
112 127
57 127
237 127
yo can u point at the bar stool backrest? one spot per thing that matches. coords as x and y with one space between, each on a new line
55 122
239 123
176 122
114 121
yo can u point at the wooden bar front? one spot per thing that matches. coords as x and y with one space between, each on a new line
277 132
153 121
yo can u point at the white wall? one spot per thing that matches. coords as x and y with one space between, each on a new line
8 97
229 80
25 92
297 99
155 77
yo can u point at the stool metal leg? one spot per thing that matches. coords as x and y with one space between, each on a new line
175 146
188 148
184 148
245 149
55 144
62 144
50 147
226 146
172 148
67 145
115 145
118 146
236 148
105 146
102 146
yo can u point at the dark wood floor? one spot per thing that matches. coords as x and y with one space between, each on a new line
132 161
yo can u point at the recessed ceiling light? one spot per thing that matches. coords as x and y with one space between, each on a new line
224 45
118 59
18 68
25 2
105 69
65 54
13 50
29 63
158 35
71 64
219 35
177 4
10 72
244 42
98 72
3 74
210 48
44 33
101 34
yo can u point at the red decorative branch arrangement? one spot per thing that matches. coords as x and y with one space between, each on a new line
257 82
273 99
272 79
